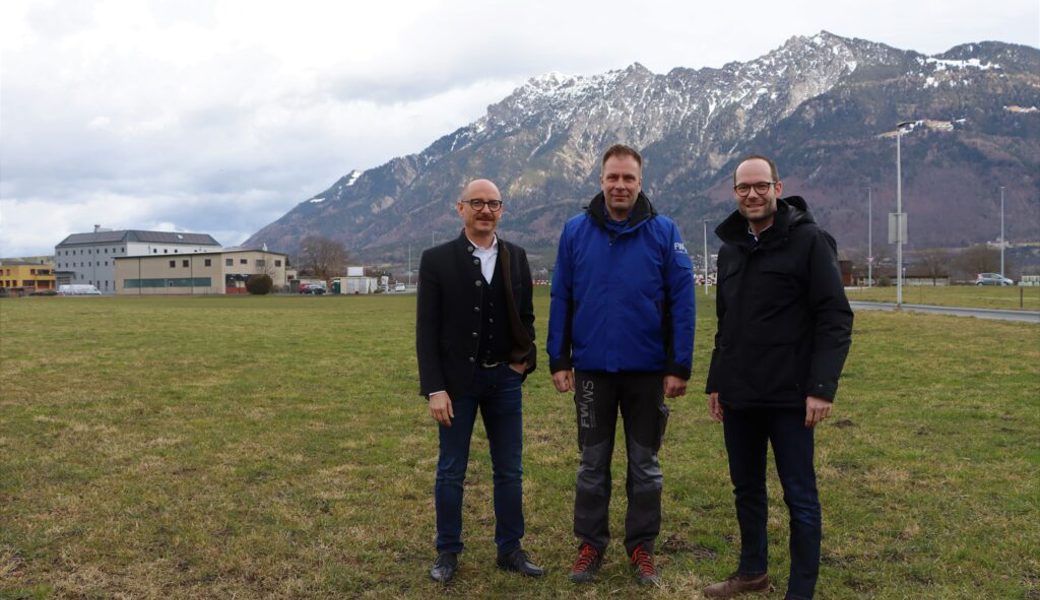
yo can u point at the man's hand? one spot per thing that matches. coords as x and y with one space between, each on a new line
564 380
440 408
714 407
816 410
520 367
674 386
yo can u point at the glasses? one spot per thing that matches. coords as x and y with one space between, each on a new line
478 204
743 189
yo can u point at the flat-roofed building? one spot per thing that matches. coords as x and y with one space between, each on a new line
89 258
26 276
222 272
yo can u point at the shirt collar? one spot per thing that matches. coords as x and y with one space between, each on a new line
492 248
751 232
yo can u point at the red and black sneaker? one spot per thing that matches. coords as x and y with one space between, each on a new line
643 563
589 560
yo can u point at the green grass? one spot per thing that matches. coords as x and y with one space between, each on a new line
276 448
1007 298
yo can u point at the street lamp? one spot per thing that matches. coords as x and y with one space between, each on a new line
870 240
1002 241
900 221
705 257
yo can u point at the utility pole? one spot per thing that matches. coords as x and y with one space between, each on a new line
705 257
1003 242
900 219
870 240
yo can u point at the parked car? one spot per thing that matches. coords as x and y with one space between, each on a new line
314 289
992 279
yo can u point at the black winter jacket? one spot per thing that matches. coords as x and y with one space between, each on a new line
785 325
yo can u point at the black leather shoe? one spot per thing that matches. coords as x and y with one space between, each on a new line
444 567
518 561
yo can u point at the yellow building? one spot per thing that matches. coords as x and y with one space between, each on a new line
25 276
223 272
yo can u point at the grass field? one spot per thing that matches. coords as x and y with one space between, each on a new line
1008 298
275 447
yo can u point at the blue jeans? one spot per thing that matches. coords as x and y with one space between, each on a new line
747 432
496 392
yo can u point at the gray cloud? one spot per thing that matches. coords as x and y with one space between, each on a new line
220 115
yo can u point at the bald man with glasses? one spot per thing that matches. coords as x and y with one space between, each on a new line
784 330
475 347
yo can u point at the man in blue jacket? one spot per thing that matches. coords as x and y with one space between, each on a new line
784 331
621 324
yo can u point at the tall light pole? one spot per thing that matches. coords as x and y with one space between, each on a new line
870 240
900 218
705 257
1002 241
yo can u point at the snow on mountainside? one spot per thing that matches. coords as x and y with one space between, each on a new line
542 143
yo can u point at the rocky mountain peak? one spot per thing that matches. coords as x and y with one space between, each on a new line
819 103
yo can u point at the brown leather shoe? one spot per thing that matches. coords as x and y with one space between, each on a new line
737 584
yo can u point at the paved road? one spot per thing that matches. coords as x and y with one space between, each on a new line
1026 316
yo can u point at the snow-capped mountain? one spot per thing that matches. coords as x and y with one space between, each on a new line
825 106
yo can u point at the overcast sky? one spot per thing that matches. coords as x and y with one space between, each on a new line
219 116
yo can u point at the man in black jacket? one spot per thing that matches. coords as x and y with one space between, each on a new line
784 331
475 345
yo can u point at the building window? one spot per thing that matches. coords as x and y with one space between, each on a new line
172 282
209 263
243 261
176 251
173 264
165 251
277 262
184 263
229 262
155 250
261 262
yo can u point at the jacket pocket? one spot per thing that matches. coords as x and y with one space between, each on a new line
774 371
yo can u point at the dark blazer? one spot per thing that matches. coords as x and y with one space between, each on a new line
448 319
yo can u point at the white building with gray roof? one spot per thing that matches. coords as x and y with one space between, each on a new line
89 258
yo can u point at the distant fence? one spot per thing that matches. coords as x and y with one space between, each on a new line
1030 281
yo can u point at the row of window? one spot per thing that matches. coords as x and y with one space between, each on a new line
100 284
31 272
186 263
120 251
10 283
160 282
228 262
73 265
92 251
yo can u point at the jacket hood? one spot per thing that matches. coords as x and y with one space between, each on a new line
791 212
642 210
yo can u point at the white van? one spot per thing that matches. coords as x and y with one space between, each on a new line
78 289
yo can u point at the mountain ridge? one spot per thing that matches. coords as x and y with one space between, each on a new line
821 105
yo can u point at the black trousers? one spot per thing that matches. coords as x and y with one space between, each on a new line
640 398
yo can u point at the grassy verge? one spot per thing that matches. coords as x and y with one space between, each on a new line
1007 298
276 448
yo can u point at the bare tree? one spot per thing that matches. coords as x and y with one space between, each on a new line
979 258
935 262
323 256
